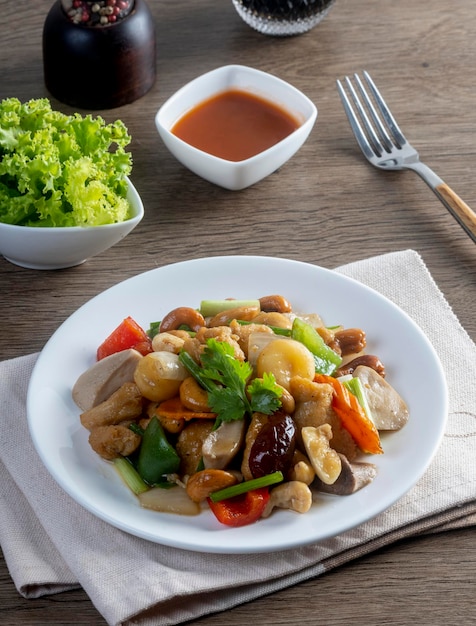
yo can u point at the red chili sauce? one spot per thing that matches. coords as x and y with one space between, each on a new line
235 125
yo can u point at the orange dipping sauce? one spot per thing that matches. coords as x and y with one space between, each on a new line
235 125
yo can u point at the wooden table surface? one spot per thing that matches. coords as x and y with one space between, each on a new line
327 206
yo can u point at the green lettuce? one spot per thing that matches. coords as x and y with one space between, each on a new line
61 170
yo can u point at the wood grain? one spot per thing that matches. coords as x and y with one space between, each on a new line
327 206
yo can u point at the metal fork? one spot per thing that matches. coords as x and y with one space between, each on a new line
385 146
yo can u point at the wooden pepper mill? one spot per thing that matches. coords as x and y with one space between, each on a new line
99 55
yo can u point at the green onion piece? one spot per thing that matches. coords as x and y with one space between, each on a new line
247 485
354 385
196 371
209 308
153 329
285 332
130 475
136 429
326 360
191 332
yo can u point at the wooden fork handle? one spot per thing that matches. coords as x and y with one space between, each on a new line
458 208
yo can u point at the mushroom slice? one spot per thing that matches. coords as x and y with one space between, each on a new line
105 377
353 477
389 411
222 444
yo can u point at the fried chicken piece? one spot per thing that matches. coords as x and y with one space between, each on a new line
125 403
113 441
314 408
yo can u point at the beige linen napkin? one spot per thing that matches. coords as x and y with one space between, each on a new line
51 544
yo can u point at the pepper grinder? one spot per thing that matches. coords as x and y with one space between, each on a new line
101 54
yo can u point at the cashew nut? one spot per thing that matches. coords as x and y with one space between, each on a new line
301 469
350 340
201 484
193 396
293 495
273 318
369 360
245 313
182 316
287 401
167 342
328 335
275 303
325 461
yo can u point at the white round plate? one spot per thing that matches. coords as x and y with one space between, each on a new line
62 442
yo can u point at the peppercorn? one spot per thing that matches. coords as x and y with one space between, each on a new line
97 13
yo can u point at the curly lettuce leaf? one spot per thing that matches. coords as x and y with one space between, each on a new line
61 170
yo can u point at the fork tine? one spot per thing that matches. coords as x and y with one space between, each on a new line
375 141
399 137
386 140
354 123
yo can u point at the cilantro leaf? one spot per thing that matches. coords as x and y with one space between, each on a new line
226 379
227 404
265 394
221 365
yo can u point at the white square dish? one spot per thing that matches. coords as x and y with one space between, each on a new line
236 175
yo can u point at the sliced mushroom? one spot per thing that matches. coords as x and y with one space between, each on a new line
353 477
222 444
175 500
190 442
258 420
389 411
105 377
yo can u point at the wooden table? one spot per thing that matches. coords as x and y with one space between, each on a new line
326 206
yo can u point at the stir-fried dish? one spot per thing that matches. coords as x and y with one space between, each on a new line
244 406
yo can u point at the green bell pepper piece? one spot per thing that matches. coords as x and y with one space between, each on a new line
325 359
156 456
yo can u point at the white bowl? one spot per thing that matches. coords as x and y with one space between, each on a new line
54 248
236 174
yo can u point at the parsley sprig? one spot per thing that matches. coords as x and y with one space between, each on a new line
230 394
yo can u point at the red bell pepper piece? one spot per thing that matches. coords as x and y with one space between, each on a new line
241 510
127 335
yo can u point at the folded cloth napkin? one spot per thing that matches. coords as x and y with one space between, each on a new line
51 544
